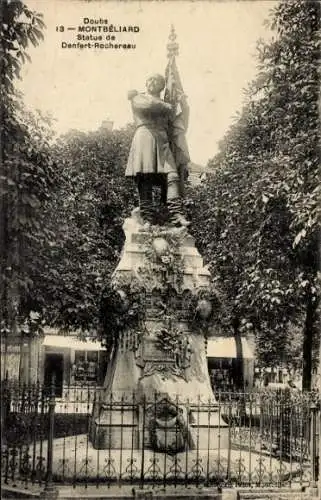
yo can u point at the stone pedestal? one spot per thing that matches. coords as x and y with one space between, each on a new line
164 371
116 427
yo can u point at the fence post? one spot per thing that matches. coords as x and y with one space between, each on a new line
319 438
5 407
313 445
319 419
50 490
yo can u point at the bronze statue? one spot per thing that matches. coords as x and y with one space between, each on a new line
151 160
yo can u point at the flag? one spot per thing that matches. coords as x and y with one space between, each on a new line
174 94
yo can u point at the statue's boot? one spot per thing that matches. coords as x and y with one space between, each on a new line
175 213
146 211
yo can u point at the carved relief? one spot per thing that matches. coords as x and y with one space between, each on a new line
167 353
168 425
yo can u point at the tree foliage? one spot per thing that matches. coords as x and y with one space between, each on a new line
19 27
27 173
62 203
86 215
259 209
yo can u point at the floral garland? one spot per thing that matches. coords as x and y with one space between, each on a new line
124 307
122 312
163 264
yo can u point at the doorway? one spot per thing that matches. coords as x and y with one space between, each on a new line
54 369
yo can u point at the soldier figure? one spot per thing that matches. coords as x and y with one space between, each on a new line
151 161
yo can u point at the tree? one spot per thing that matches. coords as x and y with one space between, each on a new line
27 173
261 204
86 215
62 203
19 27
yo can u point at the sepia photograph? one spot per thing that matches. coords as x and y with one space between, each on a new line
160 238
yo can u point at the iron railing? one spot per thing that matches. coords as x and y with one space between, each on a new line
263 439
25 430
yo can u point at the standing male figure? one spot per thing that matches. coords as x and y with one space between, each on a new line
151 161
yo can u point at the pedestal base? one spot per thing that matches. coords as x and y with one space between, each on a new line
161 359
115 428
209 431
124 428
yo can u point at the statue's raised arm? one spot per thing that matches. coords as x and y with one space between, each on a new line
148 103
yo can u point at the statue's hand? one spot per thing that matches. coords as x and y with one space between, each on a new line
131 94
180 96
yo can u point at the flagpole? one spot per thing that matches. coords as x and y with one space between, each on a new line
172 45
174 94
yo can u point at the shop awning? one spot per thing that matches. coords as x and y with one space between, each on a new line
225 347
72 342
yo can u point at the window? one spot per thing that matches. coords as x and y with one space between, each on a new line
85 367
221 375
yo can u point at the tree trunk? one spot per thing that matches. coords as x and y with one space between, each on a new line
319 389
308 334
239 355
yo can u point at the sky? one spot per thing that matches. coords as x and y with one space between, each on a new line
216 61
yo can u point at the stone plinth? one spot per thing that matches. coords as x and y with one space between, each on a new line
115 427
165 368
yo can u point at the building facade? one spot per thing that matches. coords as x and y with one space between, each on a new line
69 361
